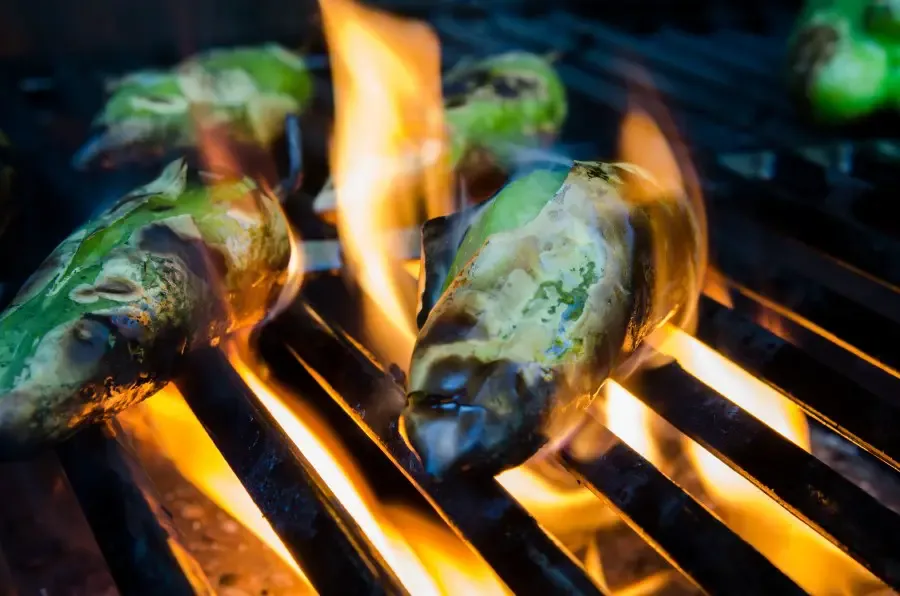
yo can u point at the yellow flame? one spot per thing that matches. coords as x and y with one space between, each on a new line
801 553
648 138
629 419
419 554
388 156
717 287
452 564
166 422
565 510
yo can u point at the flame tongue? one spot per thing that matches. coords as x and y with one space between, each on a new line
388 155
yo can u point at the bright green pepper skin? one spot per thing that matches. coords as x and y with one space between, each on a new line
844 59
502 103
101 324
248 90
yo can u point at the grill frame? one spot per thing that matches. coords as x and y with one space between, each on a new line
518 548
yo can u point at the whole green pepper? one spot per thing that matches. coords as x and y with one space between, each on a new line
493 108
556 283
502 103
103 321
844 59
247 90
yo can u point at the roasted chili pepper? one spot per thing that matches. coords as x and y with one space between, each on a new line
844 58
248 91
555 284
102 323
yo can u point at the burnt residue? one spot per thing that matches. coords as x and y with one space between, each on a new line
202 260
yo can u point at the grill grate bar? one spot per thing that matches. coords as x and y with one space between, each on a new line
821 390
508 538
327 542
130 526
349 373
686 83
743 257
836 508
691 538
776 209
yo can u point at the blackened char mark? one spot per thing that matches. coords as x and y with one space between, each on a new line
810 53
452 326
441 238
457 89
643 280
203 261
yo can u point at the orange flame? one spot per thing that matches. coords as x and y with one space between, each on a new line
648 139
166 422
419 555
799 551
717 287
389 158
809 559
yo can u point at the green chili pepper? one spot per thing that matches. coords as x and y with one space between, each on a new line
248 90
555 284
502 103
494 108
101 324
844 59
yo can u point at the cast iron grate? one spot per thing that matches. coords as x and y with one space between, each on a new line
814 210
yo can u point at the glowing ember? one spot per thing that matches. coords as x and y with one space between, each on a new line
388 155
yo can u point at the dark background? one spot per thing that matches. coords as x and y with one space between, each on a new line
87 29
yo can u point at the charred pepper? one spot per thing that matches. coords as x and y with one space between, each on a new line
555 284
102 323
247 90
844 58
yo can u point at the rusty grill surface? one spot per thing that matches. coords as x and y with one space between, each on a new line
803 227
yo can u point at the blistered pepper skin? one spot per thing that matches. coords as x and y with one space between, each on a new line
843 59
104 320
247 90
550 291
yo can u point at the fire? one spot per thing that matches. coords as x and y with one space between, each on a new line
166 422
717 287
809 559
419 555
388 157
566 510
652 143
805 556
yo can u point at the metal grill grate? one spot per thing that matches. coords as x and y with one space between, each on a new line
814 210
